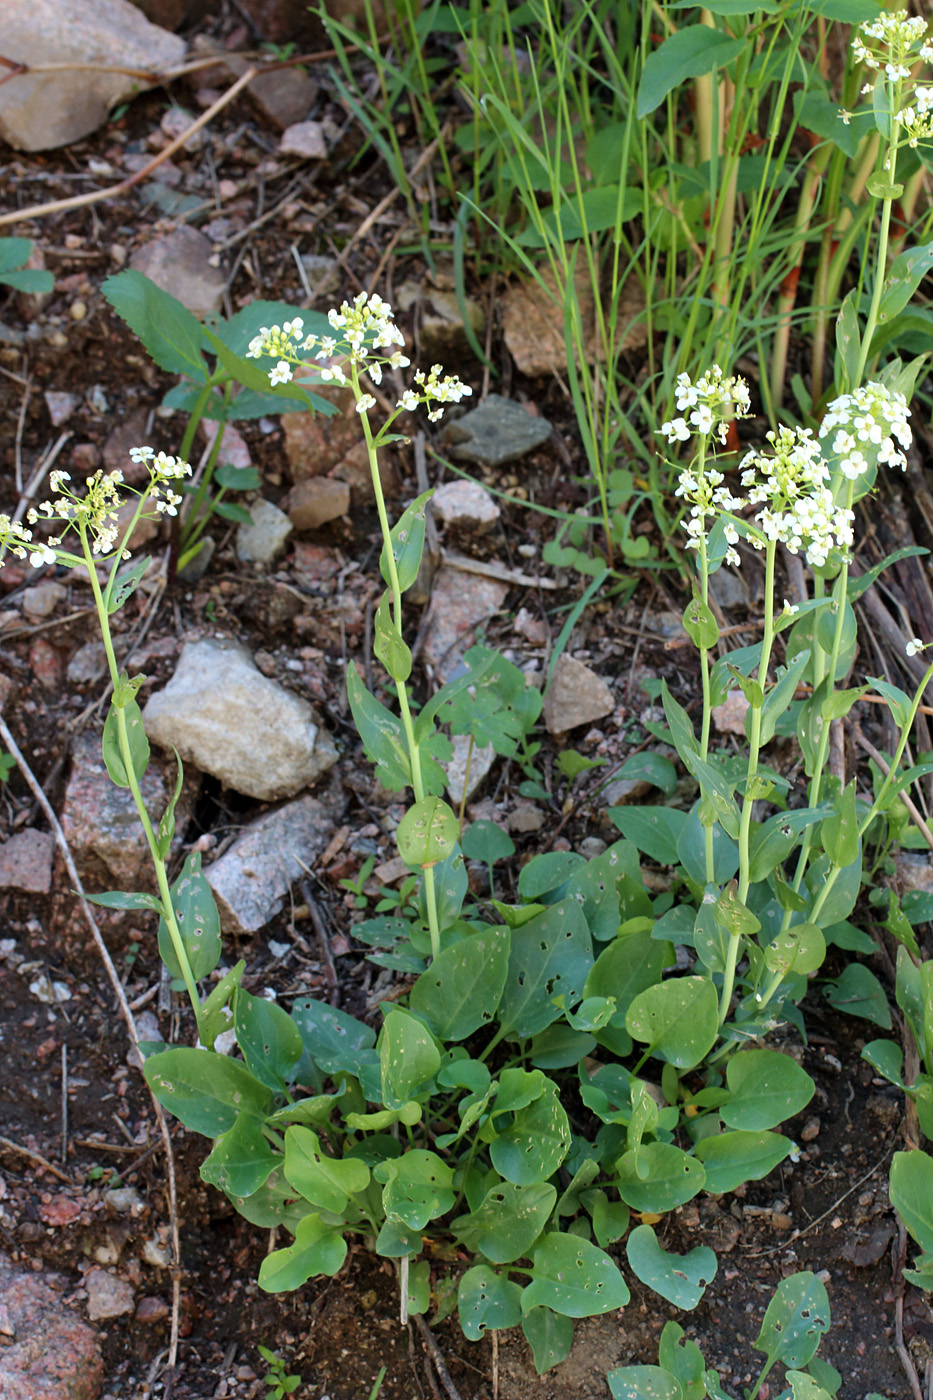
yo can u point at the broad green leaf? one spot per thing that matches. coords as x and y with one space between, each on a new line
644 1383
198 922
651 768
334 1040
654 830
658 1177
205 1091
388 645
840 832
682 731
550 1336
626 967
327 1182
796 1319
408 1057
461 989
700 625
681 1279
318 1249
14 252
116 899
407 537
487 841
545 876
682 1359
804 1387
428 832
899 703
573 1277
172 335
689 53
381 734
766 1088
610 1218
733 1158
125 585
781 694
911 1191
691 849
801 948
848 344
857 992
487 1302
418 1187
137 743
216 1012
268 1038
536 1143
678 1019
774 840
887 1058
579 214
242 1159
508 1221
550 954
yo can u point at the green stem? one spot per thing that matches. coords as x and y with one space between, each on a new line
704 674
878 289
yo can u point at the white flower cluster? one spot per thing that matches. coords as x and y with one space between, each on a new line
868 424
96 513
914 646
917 117
363 327
791 483
713 401
707 498
898 38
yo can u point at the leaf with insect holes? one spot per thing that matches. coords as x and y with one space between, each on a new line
198 923
796 1319
681 1279
427 833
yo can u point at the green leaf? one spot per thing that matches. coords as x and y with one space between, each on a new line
172 335
733 1158
857 586
205 1091
136 738
857 992
334 1041
678 1019
682 732
579 214
545 876
911 1192
689 53
408 1057
682 1359
537 1141
116 899
318 1249
774 840
407 537
700 625
796 1319
268 1038
166 832
125 585
388 644
216 1015
550 1337
428 832
507 1222
651 768
658 1177
461 989
681 1279
840 832
887 1059
327 1182
550 954
899 703
654 830
629 965
381 734
241 1160
233 478
229 510
573 1277
848 344
804 1387
418 1187
198 922
781 694
766 1088
799 949
487 841
487 1302
644 1383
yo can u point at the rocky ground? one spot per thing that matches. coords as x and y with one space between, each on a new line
245 664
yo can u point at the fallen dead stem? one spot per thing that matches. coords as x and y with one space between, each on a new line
8 1145
37 792
899 1258
80 201
885 767
437 1357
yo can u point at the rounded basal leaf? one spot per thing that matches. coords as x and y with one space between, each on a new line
800 949
680 1278
766 1089
507 1222
797 1317
487 841
858 992
427 833
461 989
268 1037
911 1189
537 1142
733 1158
644 1383
678 1019
487 1301
242 1159
659 1177
318 1249
417 1187
574 1278
408 1058
326 1182
550 1337
205 1091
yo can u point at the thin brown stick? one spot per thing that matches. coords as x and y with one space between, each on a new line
64 1104
799 1234
899 1252
80 201
437 1356
8 1145
46 806
323 943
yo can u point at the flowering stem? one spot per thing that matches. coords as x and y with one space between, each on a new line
414 753
101 600
877 290
704 678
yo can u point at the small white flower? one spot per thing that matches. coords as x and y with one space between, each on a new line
281 374
365 403
914 646
41 556
790 609
409 401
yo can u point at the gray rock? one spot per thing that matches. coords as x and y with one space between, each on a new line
497 432
914 872
60 405
48 1352
180 263
100 820
458 602
304 140
575 696
26 861
89 663
223 715
262 541
41 111
42 600
466 505
251 880
108 1295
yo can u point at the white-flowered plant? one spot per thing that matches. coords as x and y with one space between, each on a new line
362 328
869 427
791 482
709 404
890 46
